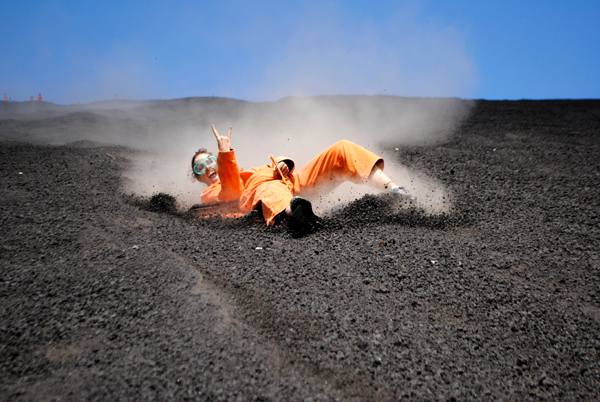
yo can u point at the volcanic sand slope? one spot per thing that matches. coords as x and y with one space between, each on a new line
102 299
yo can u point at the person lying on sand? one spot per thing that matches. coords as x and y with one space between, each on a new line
274 188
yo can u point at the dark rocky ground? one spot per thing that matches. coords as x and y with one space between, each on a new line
104 300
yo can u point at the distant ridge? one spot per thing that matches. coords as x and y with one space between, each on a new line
29 109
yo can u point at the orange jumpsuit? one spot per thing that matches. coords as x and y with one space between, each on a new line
343 161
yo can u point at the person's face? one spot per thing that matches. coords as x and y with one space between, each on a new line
205 167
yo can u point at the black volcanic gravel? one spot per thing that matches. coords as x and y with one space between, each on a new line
104 299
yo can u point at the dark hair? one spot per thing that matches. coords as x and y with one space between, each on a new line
198 152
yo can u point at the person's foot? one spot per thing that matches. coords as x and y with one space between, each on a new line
300 217
402 194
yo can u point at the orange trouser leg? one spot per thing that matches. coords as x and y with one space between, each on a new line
274 197
343 161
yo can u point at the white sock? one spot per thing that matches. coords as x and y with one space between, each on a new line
381 181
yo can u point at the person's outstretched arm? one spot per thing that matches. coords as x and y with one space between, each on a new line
227 168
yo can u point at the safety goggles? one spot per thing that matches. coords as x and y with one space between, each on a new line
204 163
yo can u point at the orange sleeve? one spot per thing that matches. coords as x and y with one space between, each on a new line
229 176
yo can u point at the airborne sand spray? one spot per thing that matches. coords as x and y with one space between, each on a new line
300 128
165 134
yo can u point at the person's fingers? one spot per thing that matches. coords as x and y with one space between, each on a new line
277 168
229 132
215 132
283 168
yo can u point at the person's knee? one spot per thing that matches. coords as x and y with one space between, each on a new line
341 146
344 144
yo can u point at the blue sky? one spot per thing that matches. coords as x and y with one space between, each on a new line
79 51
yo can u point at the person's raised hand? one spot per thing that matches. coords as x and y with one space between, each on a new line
223 141
283 168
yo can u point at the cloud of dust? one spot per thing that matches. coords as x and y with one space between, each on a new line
298 127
